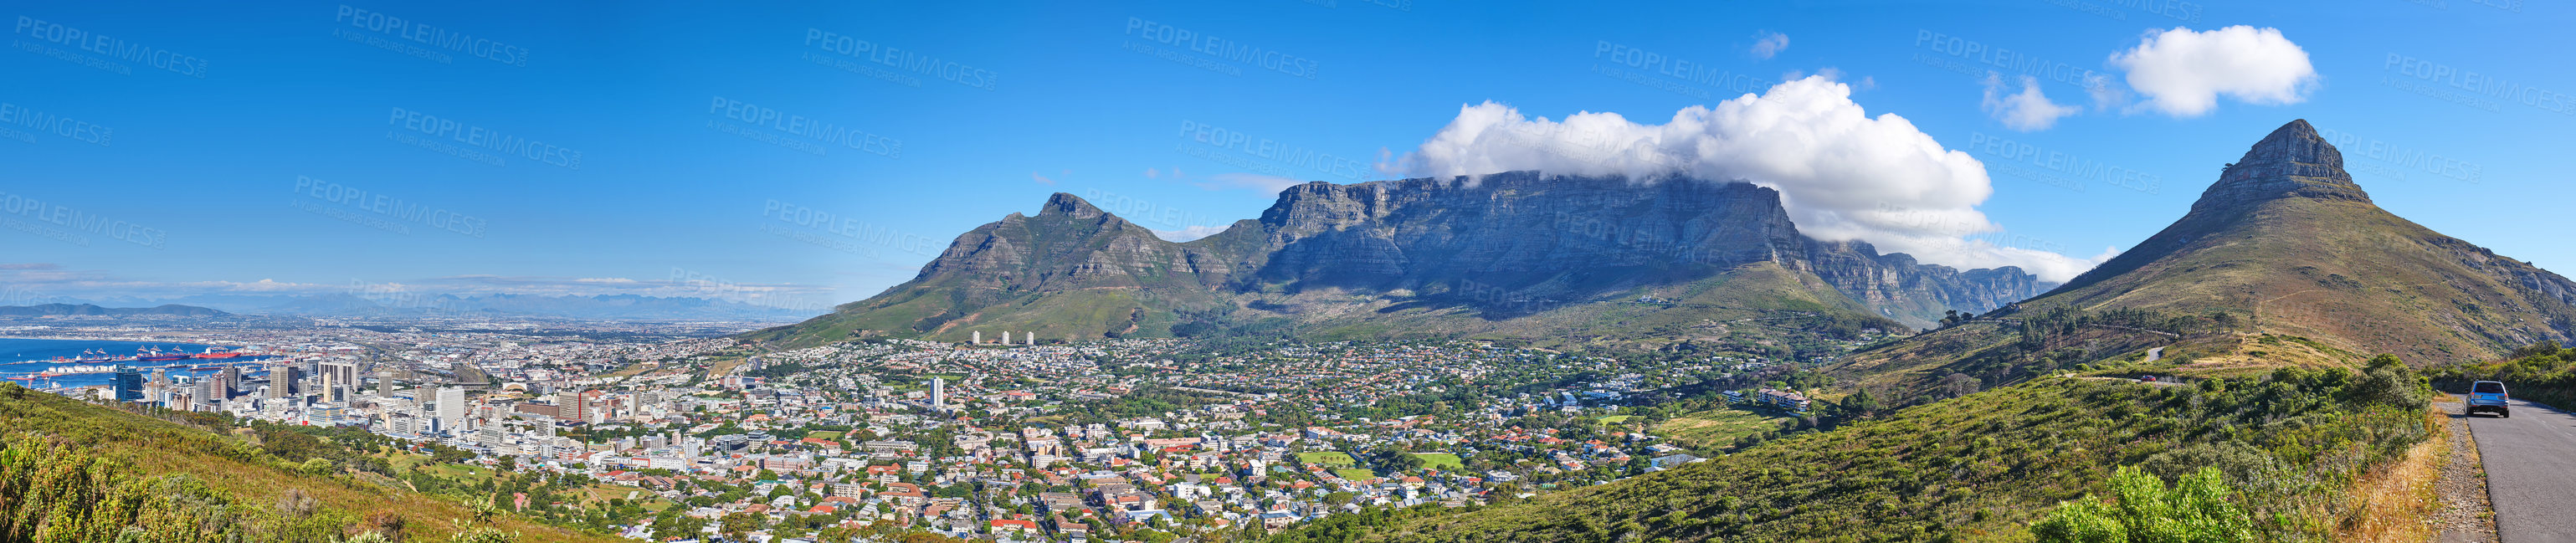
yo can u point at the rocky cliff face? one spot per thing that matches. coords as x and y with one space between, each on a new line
1914 293
1507 239
1559 237
2291 162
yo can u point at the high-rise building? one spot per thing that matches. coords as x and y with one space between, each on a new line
939 393
157 389
451 409
230 379
282 380
573 404
978 336
329 385
206 394
384 382
127 383
343 374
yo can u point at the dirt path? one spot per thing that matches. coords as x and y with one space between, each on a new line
2465 516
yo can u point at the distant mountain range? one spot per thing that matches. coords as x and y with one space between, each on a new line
1517 254
46 310
606 307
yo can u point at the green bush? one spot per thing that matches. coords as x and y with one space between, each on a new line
2198 509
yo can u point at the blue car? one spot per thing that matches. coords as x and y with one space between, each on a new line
2489 396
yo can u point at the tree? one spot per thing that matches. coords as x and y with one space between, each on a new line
737 524
677 526
1860 404
2198 509
1960 384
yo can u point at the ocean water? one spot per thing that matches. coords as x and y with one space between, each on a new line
27 357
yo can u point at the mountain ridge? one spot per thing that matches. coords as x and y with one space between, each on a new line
1495 247
2283 261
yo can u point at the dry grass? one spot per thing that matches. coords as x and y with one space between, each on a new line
2396 503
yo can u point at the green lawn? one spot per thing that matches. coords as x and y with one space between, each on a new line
1441 461
1615 419
1328 458
1716 427
824 435
1355 474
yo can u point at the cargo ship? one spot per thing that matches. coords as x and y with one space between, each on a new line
212 353
155 355
94 355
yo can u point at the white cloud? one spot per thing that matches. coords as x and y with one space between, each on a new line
2181 72
1187 233
1842 174
1767 44
2026 111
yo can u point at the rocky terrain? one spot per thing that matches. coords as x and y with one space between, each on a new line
1516 246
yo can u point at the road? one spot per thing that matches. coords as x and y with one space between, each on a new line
2531 471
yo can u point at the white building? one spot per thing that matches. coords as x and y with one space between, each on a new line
451 409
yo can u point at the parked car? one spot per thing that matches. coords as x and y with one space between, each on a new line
2489 396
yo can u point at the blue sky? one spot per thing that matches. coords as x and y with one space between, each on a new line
802 150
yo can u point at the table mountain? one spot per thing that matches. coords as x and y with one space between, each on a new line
1512 254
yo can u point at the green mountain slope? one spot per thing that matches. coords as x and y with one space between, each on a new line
75 471
1978 468
2283 246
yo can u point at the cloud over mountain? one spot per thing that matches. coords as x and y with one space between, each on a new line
1841 173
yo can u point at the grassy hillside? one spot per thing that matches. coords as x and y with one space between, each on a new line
1754 303
2344 272
1982 467
75 471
